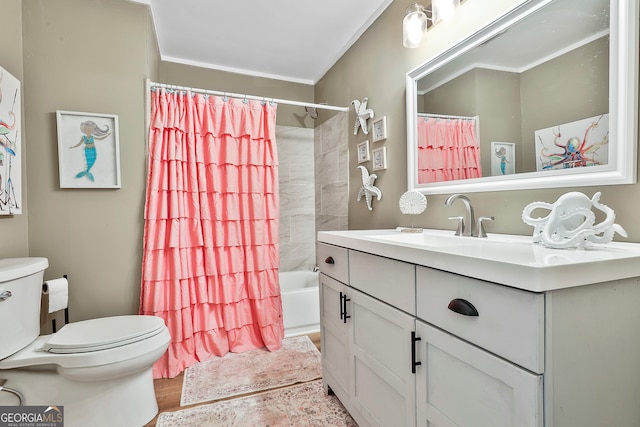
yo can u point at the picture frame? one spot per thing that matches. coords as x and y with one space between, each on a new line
88 150
10 144
379 158
591 134
363 152
379 129
503 158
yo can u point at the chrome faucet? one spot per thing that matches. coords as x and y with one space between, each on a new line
465 224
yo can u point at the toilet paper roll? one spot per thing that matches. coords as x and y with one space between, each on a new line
58 291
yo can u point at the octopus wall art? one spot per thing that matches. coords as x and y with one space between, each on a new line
571 145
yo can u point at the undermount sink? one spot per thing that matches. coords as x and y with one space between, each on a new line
448 239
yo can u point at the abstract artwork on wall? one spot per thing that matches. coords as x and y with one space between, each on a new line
10 146
88 150
575 144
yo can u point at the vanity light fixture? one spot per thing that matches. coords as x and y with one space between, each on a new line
414 25
415 22
443 10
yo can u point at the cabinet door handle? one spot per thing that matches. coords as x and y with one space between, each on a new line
329 260
346 316
414 362
5 295
463 307
341 306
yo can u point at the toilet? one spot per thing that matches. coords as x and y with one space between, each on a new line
99 370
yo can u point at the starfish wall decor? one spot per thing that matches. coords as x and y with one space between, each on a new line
368 190
362 115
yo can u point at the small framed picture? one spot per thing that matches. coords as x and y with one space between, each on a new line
363 152
88 150
379 158
503 160
379 129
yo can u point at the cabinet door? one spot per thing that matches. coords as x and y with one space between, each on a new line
383 386
461 385
333 337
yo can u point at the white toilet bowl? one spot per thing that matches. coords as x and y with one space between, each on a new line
99 370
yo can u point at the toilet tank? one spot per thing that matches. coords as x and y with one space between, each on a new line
20 292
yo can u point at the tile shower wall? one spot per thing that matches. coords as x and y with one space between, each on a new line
332 175
297 198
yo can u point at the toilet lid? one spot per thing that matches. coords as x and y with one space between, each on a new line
103 333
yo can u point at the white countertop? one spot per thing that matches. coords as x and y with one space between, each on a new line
499 258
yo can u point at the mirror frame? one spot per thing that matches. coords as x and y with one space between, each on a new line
623 110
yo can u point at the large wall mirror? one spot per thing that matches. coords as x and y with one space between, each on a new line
545 96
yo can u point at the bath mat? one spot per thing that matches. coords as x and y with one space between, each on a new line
235 374
297 405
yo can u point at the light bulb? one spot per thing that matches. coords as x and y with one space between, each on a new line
414 26
443 10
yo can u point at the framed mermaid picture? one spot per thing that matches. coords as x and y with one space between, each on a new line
88 150
503 158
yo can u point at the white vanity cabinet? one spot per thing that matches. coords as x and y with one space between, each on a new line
459 384
469 375
383 387
366 343
334 337
334 273
555 342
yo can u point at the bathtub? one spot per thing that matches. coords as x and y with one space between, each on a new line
300 302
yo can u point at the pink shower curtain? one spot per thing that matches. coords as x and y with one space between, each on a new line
448 149
210 257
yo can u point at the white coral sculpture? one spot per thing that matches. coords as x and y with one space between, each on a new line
362 115
368 190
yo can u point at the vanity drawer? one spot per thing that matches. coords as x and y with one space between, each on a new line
509 322
333 261
388 280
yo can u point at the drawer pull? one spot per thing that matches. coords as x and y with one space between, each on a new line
341 306
463 307
329 260
414 363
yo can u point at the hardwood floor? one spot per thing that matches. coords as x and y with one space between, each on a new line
168 391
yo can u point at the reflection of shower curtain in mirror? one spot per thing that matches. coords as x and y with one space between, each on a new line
448 149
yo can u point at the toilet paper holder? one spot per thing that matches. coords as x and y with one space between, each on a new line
66 310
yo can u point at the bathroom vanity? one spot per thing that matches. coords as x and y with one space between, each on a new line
432 329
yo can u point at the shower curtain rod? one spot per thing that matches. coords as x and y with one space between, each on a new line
445 116
151 84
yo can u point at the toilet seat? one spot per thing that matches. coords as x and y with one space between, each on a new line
95 342
102 334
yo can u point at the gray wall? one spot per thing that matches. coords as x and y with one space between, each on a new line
577 92
94 56
376 67
88 56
